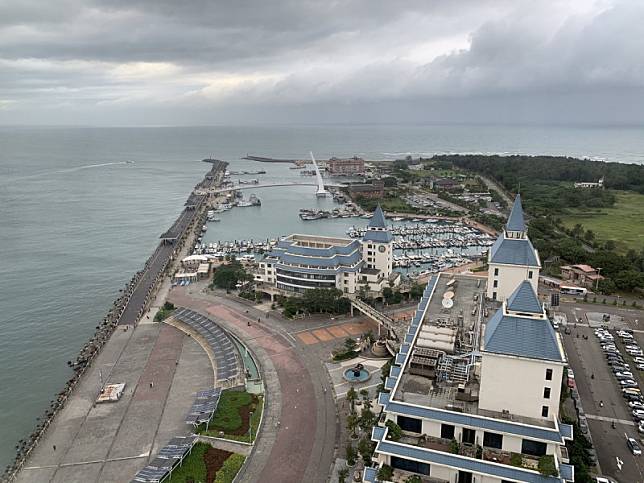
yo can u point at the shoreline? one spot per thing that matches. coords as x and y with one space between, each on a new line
126 310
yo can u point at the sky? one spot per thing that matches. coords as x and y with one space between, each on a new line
166 62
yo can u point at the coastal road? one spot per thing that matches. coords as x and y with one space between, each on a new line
298 436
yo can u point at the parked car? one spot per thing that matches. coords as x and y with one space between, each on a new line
633 446
639 359
640 426
624 374
640 367
628 383
636 405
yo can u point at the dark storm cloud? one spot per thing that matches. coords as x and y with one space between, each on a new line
119 57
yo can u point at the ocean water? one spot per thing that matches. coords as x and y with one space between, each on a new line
76 220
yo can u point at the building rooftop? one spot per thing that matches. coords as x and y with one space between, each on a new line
532 338
514 251
437 378
516 221
378 219
523 299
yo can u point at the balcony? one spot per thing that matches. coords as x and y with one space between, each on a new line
518 460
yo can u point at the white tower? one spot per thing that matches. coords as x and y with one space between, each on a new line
512 259
377 244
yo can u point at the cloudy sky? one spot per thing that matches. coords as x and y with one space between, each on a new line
166 62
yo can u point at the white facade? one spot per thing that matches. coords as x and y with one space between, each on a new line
528 380
503 279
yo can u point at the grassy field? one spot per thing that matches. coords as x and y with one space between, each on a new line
228 416
623 223
193 467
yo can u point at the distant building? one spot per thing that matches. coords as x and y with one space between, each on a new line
599 184
345 167
301 262
375 190
443 183
581 274
512 258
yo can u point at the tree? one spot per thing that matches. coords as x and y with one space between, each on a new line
589 236
351 454
227 276
387 294
352 423
401 164
365 448
352 395
606 286
385 473
342 475
367 418
395 431
416 291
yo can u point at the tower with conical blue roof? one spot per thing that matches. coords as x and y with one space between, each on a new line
377 244
512 259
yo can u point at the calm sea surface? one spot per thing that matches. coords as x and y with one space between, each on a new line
76 220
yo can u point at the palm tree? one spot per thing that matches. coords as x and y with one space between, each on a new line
352 395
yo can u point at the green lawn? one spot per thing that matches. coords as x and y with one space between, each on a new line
193 467
623 223
228 419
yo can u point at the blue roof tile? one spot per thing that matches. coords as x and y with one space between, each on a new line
370 475
378 218
523 299
378 236
504 472
512 251
471 420
516 221
522 337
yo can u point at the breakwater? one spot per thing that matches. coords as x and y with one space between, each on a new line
126 310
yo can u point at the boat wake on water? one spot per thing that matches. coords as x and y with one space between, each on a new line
69 170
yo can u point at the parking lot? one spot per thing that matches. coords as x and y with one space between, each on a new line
605 410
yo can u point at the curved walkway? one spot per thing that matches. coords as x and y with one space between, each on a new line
297 439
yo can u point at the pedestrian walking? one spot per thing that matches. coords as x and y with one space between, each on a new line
249 323
54 447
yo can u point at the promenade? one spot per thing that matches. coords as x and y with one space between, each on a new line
110 442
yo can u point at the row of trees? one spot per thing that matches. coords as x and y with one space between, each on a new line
318 301
511 169
229 275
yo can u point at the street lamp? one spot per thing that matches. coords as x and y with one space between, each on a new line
599 272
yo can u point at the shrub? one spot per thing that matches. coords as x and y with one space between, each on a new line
395 432
516 459
385 472
230 468
454 447
547 465
351 454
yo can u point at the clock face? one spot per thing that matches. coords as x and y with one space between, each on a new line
381 249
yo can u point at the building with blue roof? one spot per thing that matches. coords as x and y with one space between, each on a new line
495 393
302 262
512 258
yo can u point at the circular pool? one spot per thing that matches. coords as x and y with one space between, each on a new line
356 374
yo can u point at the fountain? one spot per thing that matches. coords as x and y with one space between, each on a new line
356 373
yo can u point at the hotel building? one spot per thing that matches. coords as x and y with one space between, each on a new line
301 262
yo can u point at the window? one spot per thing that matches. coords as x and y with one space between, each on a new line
548 374
413 425
546 393
533 448
493 295
464 477
496 284
496 272
492 440
447 431
468 436
529 273
544 411
408 465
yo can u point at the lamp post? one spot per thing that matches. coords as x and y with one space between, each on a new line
599 272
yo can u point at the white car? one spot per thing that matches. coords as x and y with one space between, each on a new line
571 375
638 412
624 374
626 336
638 359
640 367
628 382
636 405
